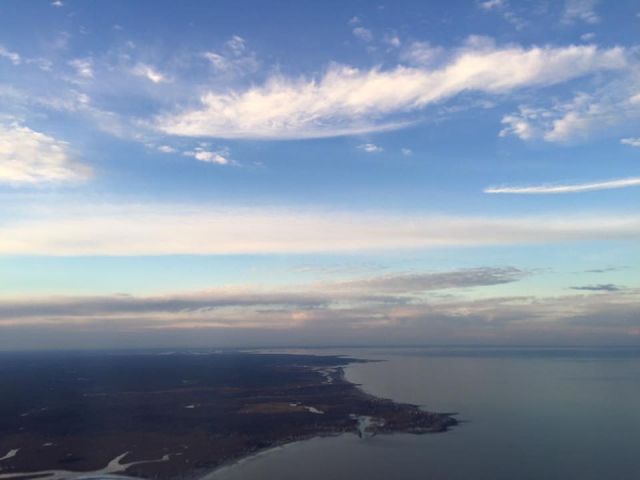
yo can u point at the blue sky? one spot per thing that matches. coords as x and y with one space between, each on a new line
252 173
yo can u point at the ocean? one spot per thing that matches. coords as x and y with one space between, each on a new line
526 413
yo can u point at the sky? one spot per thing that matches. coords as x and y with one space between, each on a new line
250 173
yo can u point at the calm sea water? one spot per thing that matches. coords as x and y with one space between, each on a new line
529 414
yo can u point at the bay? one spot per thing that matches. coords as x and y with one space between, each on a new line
525 413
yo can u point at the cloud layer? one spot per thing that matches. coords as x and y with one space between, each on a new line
165 229
376 290
389 309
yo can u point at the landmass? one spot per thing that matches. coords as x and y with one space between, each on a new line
178 415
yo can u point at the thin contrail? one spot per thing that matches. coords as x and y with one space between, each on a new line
569 188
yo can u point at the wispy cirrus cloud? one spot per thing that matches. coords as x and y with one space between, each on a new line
505 9
150 73
580 10
566 188
234 58
421 53
347 100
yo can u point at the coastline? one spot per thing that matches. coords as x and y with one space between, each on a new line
199 413
277 446
339 376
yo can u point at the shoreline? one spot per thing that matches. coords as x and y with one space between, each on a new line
340 377
276 447
200 413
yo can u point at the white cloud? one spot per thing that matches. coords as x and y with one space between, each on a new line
633 142
421 54
42 63
166 149
568 188
370 148
57 3
570 125
580 10
613 106
228 64
363 34
30 157
234 59
83 67
164 229
521 124
579 117
491 4
218 61
347 100
505 10
220 157
236 45
393 40
13 57
148 72
407 152
587 37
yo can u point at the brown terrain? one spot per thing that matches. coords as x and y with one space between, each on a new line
179 415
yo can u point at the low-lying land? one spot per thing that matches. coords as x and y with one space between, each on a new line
181 414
